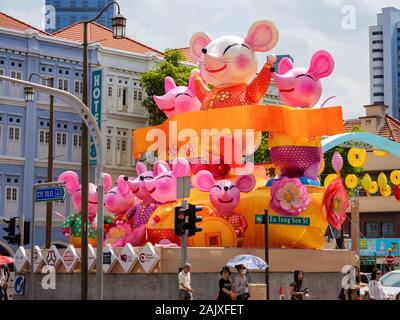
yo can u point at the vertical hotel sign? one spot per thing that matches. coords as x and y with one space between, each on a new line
95 107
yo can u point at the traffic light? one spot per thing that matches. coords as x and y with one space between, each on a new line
180 221
10 231
193 219
27 231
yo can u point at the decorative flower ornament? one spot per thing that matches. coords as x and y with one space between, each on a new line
337 162
335 203
289 197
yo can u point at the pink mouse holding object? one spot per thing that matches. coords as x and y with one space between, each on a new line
120 198
302 87
225 196
71 224
178 99
163 187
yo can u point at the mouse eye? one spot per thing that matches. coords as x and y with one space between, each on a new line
305 75
232 187
234 45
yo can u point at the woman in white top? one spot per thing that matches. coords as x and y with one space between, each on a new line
375 289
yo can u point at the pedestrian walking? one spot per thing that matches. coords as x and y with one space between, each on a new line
375 289
185 289
4 277
241 284
225 292
295 288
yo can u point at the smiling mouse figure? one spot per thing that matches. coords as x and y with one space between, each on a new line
225 197
178 99
72 224
229 65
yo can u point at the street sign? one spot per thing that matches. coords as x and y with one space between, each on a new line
290 221
367 261
390 259
260 219
49 193
19 285
95 108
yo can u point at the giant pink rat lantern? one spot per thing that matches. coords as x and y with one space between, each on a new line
225 197
119 199
302 87
229 65
72 224
177 99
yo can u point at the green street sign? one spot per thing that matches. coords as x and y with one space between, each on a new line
367 261
260 219
290 221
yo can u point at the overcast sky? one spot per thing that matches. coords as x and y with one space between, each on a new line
305 27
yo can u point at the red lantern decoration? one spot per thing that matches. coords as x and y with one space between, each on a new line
397 192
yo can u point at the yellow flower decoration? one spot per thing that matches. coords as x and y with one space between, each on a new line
351 181
357 157
382 181
374 188
329 178
387 191
395 177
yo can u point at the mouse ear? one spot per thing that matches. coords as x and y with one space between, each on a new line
204 181
107 182
246 183
285 65
198 41
321 65
262 36
169 84
140 168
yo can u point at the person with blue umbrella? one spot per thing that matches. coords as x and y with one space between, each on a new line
241 284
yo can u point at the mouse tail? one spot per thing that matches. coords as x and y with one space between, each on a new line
326 101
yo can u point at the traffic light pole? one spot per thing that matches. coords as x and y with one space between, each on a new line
184 239
266 246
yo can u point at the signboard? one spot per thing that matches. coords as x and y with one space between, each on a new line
53 257
109 258
390 259
70 258
260 219
290 221
37 258
127 258
148 257
48 194
367 261
19 285
379 247
21 259
91 257
95 107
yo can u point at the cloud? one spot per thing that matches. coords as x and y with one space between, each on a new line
305 27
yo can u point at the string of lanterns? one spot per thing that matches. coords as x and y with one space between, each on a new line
356 158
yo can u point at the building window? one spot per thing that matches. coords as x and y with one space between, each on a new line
377 41
77 140
372 230
11 203
377 59
14 141
378 77
110 91
63 84
108 143
377 33
387 230
379 94
140 95
377 50
78 87
135 95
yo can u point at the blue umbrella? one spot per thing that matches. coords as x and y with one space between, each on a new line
249 261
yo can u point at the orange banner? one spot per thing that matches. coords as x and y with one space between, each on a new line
285 120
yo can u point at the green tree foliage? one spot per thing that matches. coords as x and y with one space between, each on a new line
153 81
262 154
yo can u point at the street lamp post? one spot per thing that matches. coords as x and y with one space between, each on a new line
118 24
30 97
82 110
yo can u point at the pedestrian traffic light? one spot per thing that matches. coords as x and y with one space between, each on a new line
10 236
193 220
180 221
